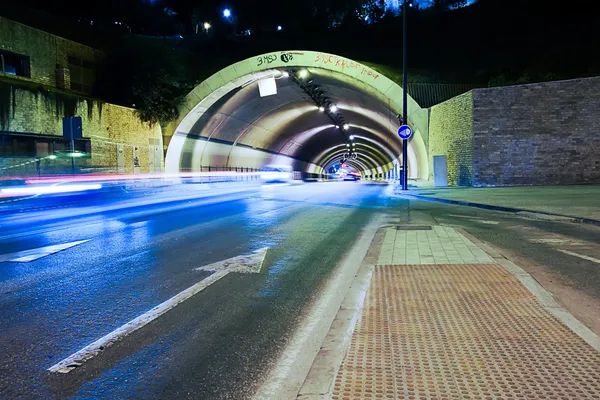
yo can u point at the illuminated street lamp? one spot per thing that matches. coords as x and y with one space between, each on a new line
227 13
279 28
303 74
346 127
333 108
351 137
207 26
322 109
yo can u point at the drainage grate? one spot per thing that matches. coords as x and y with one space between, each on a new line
412 228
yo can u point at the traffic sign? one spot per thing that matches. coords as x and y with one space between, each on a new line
405 132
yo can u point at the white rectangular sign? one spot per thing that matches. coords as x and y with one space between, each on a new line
267 87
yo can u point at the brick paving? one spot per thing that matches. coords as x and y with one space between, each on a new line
458 330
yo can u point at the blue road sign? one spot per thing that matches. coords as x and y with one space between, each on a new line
405 132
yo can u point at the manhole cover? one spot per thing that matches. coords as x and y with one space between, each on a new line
412 228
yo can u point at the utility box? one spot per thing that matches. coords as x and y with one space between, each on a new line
440 171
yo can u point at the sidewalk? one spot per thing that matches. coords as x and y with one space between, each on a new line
578 201
439 317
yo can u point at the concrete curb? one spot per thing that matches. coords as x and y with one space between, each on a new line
568 218
318 384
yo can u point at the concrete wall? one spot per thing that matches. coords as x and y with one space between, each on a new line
25 110
537 134
451 134
45 50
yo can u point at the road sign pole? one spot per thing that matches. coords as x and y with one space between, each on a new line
72 146
404 176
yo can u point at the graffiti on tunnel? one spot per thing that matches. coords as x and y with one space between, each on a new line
344 63
271 58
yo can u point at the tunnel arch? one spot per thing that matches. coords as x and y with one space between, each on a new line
216 126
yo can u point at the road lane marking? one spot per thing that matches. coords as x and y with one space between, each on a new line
34 254
571 253
251 263
487 222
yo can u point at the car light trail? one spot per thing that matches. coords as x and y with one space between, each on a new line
29 190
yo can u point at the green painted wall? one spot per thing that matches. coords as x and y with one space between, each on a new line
25 110
451 134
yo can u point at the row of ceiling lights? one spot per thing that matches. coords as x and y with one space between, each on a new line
325 105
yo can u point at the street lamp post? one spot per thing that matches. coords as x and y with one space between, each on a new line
404 97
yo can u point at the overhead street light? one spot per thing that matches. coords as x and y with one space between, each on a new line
351 137
322 109
303 74
333 108
346 127
227 13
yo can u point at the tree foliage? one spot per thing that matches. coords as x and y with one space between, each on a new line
149 75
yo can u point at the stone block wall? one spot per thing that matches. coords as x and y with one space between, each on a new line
26 110
45 51
451 134
537 134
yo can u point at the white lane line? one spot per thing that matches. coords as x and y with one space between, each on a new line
245 264
34 254
592 259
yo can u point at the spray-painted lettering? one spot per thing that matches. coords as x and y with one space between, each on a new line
344 63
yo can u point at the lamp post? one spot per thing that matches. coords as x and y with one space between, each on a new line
405 5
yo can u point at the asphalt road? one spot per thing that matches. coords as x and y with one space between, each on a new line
221 343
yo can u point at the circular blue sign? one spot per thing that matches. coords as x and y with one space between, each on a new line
405 132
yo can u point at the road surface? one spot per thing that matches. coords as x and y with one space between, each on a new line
124 255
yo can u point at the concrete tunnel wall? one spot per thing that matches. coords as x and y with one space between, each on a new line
196 140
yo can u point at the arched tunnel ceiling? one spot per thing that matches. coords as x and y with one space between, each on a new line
291 124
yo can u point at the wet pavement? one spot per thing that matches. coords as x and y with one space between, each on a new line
222 342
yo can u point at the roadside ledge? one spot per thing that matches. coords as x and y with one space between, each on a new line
525 212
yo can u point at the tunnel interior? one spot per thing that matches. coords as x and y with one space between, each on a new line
318 118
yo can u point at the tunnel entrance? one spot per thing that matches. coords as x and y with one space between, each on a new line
321 109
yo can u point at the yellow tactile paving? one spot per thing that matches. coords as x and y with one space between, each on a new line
469 331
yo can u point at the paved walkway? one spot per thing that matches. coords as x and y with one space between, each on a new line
575 201
443 320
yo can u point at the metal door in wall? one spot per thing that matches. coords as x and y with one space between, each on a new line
440 171
120 158
157 157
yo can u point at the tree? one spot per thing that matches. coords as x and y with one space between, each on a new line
147 74
449 4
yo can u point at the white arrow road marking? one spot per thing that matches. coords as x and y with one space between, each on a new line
571 253
34 254
251 263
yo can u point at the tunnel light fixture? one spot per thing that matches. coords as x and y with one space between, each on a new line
333 108
303 74
346 127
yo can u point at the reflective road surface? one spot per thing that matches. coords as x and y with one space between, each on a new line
123 254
